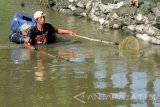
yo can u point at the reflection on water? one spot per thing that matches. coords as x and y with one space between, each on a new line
20 55
77 72
98 76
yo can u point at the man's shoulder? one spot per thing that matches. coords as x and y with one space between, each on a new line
47 24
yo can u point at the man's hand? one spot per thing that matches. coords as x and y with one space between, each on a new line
72 34
25 44
27 39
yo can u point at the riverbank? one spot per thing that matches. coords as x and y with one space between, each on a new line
141 20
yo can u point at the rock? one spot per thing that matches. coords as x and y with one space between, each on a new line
105 8
151 30
115 24
140 28
131 27
93 17
22 4
106 23
64 4
107 1
127 31
97 13
158 34
81 4
72 1
156 11
108 8
52 3
147 38
115 6
78 12
128 20
141 19
101 21
132 11
122 11
89 5
72 7
126 3
113 16
95 7
96 19
66 11
151 17
158 37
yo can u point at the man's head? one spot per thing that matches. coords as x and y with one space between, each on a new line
39 17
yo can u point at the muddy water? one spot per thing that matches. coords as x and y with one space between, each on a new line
75 72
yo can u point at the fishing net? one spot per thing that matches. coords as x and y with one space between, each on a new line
129 43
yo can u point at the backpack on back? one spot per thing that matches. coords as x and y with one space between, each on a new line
19 19
20 23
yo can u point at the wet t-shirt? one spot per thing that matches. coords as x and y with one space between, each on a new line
43 37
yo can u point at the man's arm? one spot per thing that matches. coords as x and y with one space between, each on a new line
26 42
64 31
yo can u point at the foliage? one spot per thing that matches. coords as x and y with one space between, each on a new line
145 8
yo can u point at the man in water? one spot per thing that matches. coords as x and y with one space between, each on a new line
43 33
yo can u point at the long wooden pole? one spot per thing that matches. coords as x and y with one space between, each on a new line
98 40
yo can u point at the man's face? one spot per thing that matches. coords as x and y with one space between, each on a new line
40 20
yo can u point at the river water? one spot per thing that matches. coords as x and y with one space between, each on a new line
84 73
